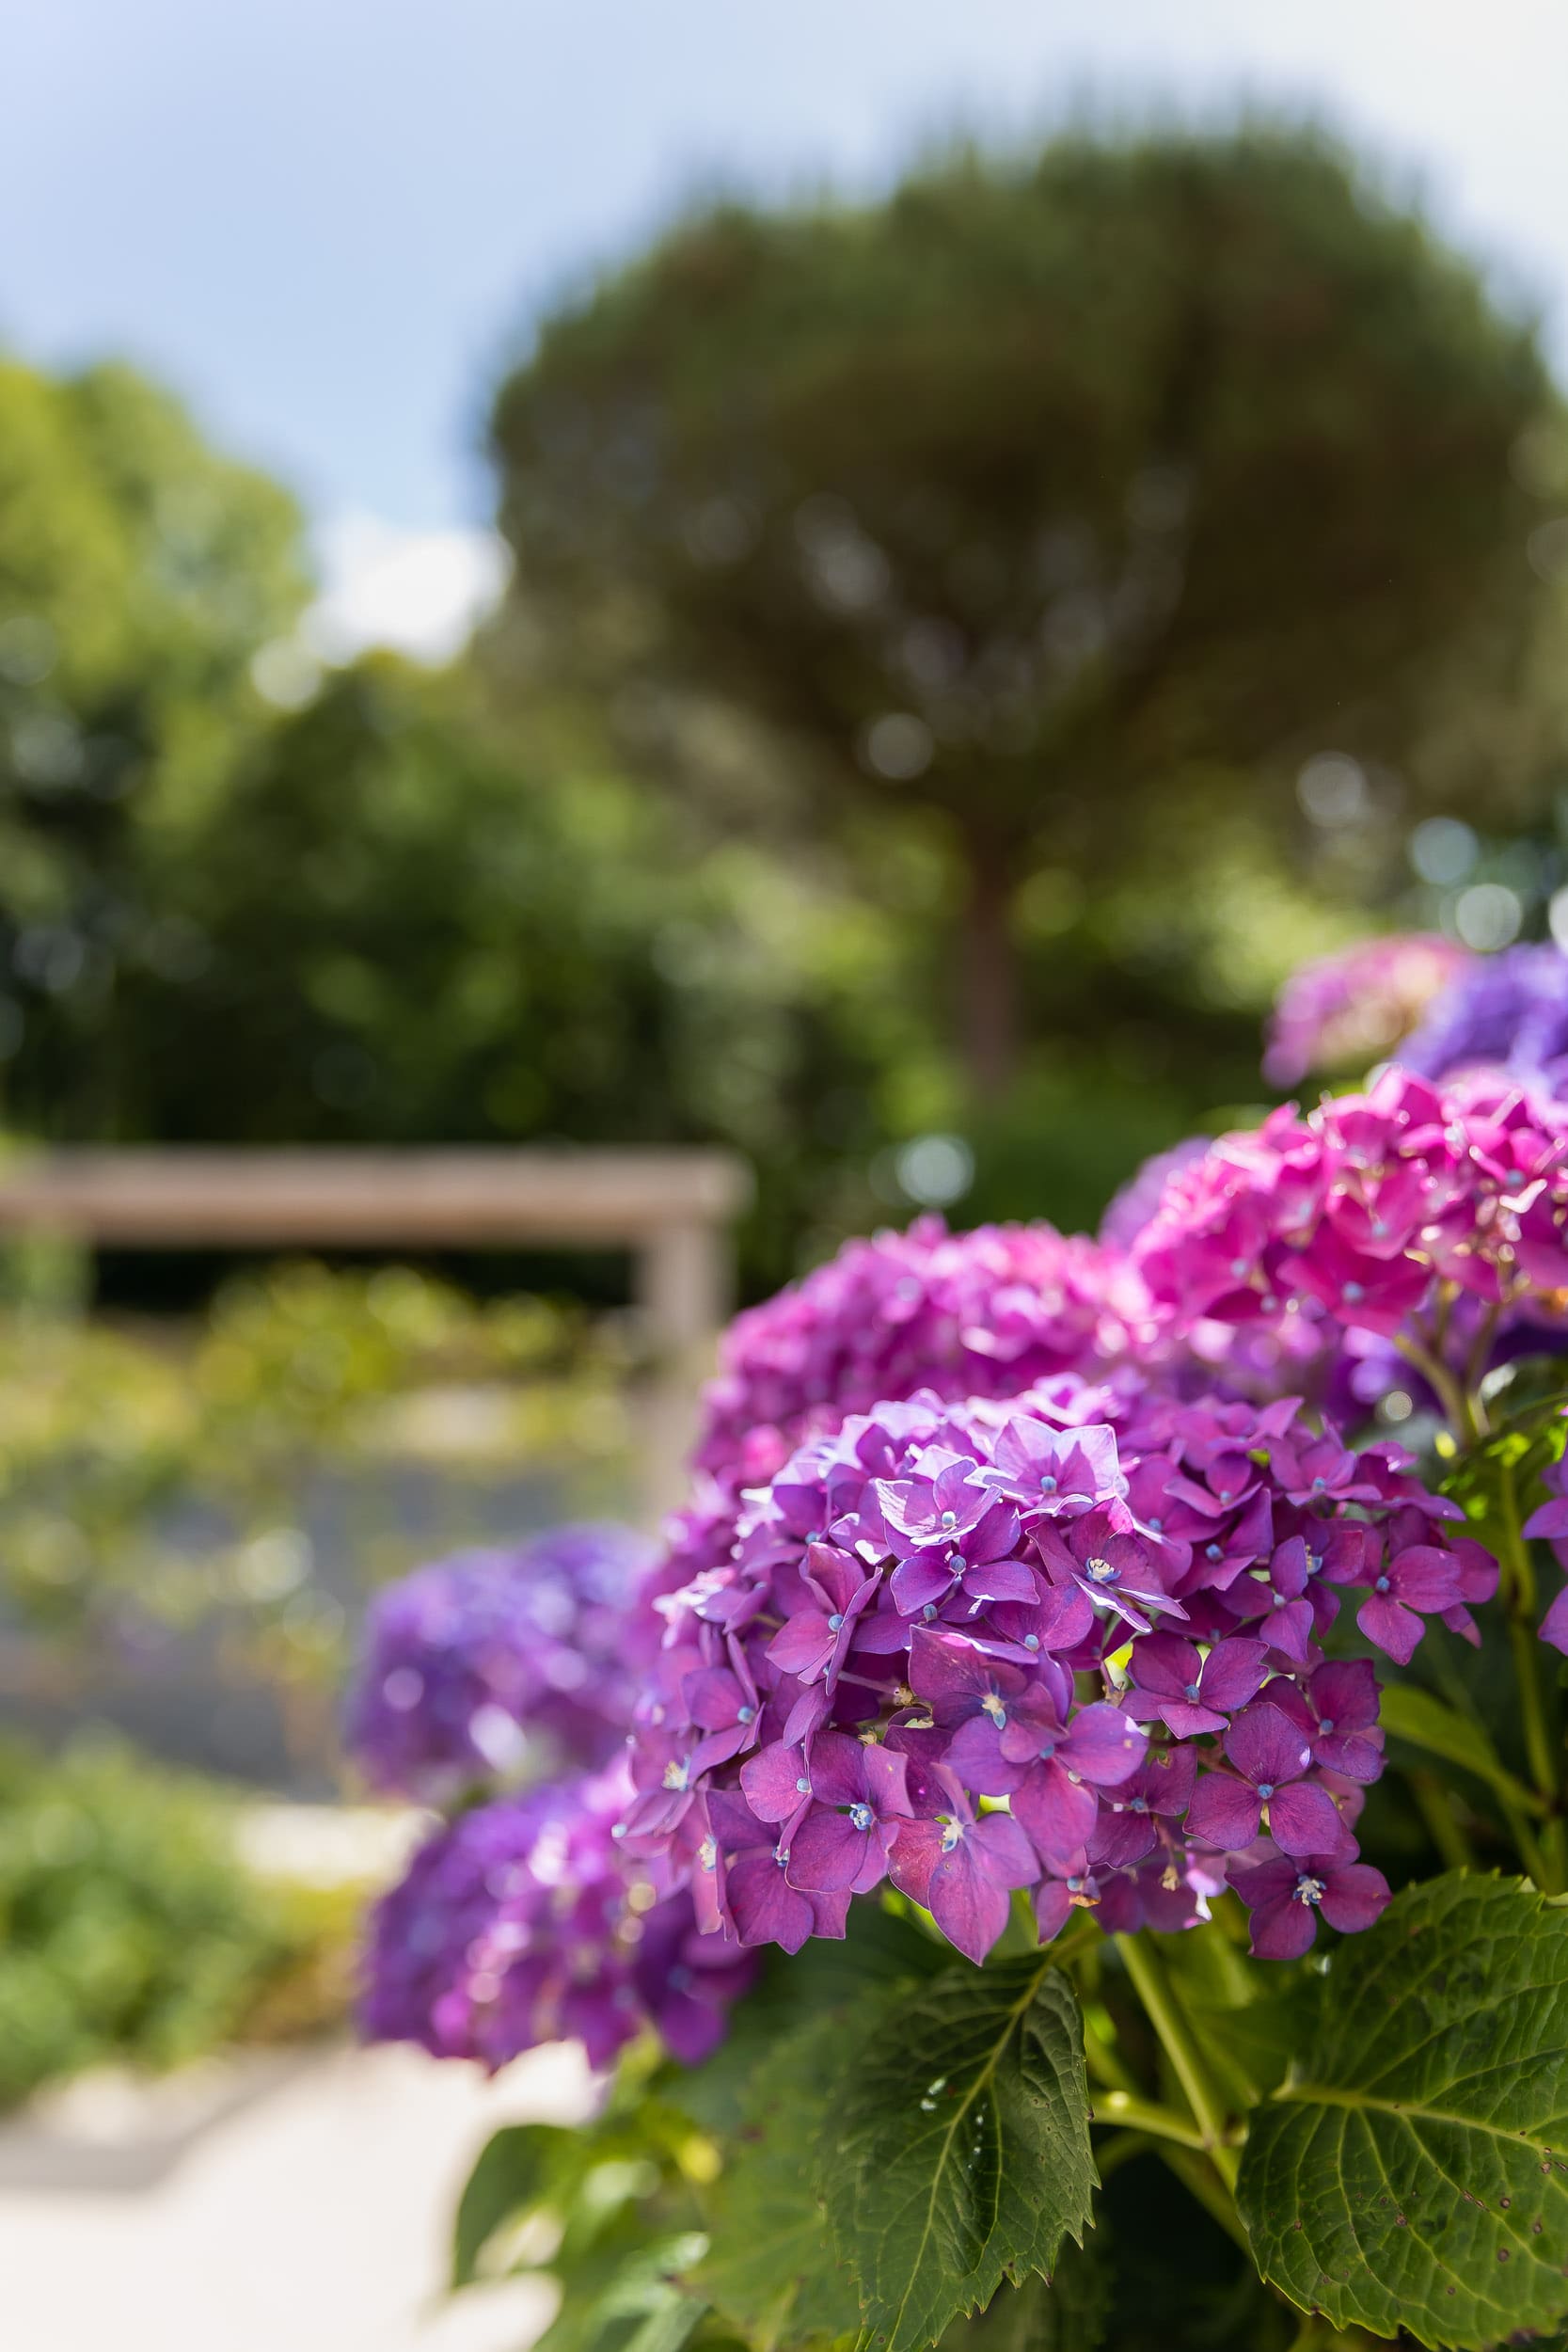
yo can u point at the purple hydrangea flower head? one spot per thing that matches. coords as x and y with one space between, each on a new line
982 1313
469 1663
1347 1011
1353 1219
927 1651
1510 1011
512 1927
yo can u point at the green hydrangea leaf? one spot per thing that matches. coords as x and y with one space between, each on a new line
1412 2170
1068 2315
771 2265
961 2153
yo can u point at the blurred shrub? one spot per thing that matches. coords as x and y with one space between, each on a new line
130 1932
156 1480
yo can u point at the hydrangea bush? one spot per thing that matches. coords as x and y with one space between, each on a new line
1067 1836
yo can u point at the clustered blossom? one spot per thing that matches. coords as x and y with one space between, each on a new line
1550 1523
1374 1213
1508 1010
1069 1642
470 1663
1346 1010
516 1925
982 1313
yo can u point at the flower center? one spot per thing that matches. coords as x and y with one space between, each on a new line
1190 1695
707 1853
1048 1485
1309 1890
860 1817
674 1775
1031 1641
1382 1584
836 1621
1047 1750
1265 1790
951 1832
1327 1724
1214 1552
745 1714
1099 1571
802 1788
992 1705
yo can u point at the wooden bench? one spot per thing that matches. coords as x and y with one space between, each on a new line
672 1209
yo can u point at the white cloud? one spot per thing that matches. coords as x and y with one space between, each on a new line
421 592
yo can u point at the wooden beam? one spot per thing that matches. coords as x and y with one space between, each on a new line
290 1198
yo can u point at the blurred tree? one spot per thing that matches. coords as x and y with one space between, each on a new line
1025 495
408 928
139 574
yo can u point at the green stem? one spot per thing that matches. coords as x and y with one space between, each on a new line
1123 2107
1148 1977
1519 1605
1465 1414
1432 1803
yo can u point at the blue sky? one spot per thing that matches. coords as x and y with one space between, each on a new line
327 221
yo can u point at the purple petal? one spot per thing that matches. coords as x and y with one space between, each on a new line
827 1852
1283 1930
967 1905
1163 1662
802 1645
1392 1629
1053 1908
1000 1579
1354 1898
837 1769
1057 1815
1554 1626
886 1780
1265 1747
1223 1812
1302 1819
915 1853
1550 1521
776 1782
921 1583
1233 1673
1103 1746
1351 1753
766 1910
1425 1577
1003 1851
976 1754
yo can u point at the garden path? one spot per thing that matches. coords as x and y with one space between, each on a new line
279 2204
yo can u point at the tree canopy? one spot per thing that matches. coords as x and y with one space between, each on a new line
1039 486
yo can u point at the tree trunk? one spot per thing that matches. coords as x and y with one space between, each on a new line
990 1032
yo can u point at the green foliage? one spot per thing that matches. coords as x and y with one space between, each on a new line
139 573
961 2153
772 2267
1411 2173
115 1445
128 1929
1409 1713
1069 2314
